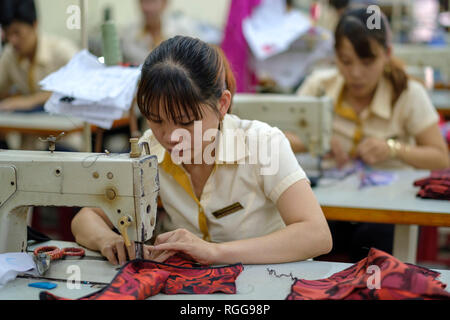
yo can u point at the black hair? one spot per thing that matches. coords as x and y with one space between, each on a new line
181 75
339 4
354 25
17 11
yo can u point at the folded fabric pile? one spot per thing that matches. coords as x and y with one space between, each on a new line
380 276
90 90
141 279
368 177
436 186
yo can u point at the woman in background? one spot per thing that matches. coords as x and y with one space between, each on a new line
381 116
28 57
156 25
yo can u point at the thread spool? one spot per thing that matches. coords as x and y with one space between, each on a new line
135 148
111 46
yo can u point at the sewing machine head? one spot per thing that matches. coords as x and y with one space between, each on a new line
125 186
309 117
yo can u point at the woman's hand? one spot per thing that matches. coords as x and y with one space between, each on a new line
113 248
337 153
182 242
16 103
373 150
295 142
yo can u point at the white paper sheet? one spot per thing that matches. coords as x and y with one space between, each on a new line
271 29
12 264
101 94
85 110
84 77
100 116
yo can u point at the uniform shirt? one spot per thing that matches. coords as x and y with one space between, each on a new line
237 202
412 113
328 18
52 53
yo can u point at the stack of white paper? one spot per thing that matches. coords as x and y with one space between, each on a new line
271 29
88 89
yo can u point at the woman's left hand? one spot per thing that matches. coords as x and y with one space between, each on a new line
183 242
373 150
16 103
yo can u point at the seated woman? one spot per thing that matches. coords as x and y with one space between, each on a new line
28 57
382 117
222 205
156 24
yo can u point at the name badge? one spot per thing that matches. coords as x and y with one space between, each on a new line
227 210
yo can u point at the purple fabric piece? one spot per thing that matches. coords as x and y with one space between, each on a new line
235 46
367 176
376 178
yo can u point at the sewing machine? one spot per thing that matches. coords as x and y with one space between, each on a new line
308 117
125 186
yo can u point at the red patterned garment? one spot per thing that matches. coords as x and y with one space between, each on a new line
436 186
397 281
140 279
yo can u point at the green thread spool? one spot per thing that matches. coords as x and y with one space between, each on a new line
111 46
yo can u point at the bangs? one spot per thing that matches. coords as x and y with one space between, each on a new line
361 38
167 89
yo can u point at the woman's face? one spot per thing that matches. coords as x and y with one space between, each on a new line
152 10
22 37
361 74
187 136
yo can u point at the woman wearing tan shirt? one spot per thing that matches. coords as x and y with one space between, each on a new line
382 117
28 57
224 202
156 24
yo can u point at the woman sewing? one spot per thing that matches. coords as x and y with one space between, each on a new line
381 116
221 211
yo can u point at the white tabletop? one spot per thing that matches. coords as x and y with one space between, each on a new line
256 282
400 195
39 121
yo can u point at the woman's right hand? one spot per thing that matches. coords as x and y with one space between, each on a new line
295 142
113 248
337 153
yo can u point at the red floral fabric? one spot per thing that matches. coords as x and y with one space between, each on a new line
436 186
398 281
140 279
